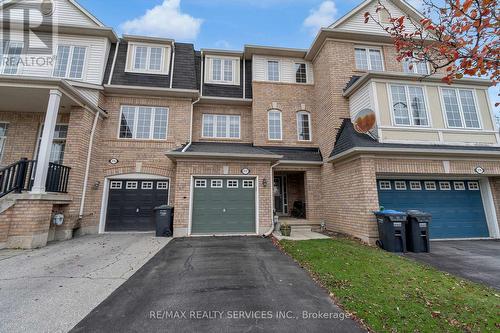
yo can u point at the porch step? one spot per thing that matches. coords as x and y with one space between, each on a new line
307 227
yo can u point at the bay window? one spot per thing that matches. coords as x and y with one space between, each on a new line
221 126
408 106
460 108
141 122
70 61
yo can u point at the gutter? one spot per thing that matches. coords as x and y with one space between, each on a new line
191 126
174 154
87 166
270 232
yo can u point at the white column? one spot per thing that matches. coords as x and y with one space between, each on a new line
49 126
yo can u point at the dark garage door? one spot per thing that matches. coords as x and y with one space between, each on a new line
223 206
456 205
131 203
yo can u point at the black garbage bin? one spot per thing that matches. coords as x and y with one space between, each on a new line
417 231
391 230
164 218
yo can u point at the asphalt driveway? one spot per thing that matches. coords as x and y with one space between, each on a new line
53 288
478 261
211 284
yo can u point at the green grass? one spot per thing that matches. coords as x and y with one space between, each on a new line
394 294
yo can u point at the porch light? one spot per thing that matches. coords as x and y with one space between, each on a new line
264 182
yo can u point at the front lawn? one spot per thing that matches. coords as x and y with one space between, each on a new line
394 294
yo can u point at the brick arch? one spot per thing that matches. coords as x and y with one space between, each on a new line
146 169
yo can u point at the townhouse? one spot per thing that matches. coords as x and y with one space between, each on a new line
107 128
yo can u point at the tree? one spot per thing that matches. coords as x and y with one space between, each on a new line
457 37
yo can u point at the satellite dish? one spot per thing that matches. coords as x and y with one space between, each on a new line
47 7
365 121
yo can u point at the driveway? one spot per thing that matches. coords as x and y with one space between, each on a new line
211 284
53 288
477 261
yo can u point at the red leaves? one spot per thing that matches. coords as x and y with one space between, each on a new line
367 17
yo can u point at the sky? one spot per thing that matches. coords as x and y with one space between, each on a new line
227 24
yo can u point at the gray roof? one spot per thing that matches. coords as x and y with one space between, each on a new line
351 82
287 153
348 138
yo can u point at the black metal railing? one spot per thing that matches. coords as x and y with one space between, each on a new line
19 177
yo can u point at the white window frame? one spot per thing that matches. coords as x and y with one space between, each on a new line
70 60
131 185
54 140
400 185
147 186
385 185
248 183
115 185
408 104
269 127
231 184
200 183
415 185
152 124
216 183
460 108
235 68
414 63
163 185
165 58
367 51
278 61
3 64
299 114
430 186
473 186
459 186
228 126
445 186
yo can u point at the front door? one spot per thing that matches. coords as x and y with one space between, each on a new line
280 195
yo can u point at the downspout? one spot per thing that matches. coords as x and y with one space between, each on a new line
173 64
270 232
191 126
114 63
87 166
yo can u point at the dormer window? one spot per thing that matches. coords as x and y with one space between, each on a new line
222 70
368 59
148 58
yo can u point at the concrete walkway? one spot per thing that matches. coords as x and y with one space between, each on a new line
300 234
52 289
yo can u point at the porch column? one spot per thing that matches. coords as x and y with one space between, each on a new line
42 165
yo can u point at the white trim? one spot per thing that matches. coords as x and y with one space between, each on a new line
208 75
228 126
230 183
408 106
430 185
298 114
367 49
202 183
384 185
460 109
216 183
445 186
281 125
70 61
278 61
400 185
151 125
132 53
135 176
415 185
459 186
489 208
191 203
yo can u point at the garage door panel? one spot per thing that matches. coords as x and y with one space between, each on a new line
456 213
223 210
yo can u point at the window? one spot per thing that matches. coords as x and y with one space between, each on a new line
473 186
460 108
58 143
217 183
10 52
140 122
233 183
147 185
162 186
459 186
70 61
131 186
273 70
368 59
300 73
400 185
445 186
148 59
274 125
415 186
3 137
116 185
408 105
385 185
413 66
221 126
200 183
248 183
304 126
430 186
222 70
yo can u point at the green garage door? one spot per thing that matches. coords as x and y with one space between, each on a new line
223 206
